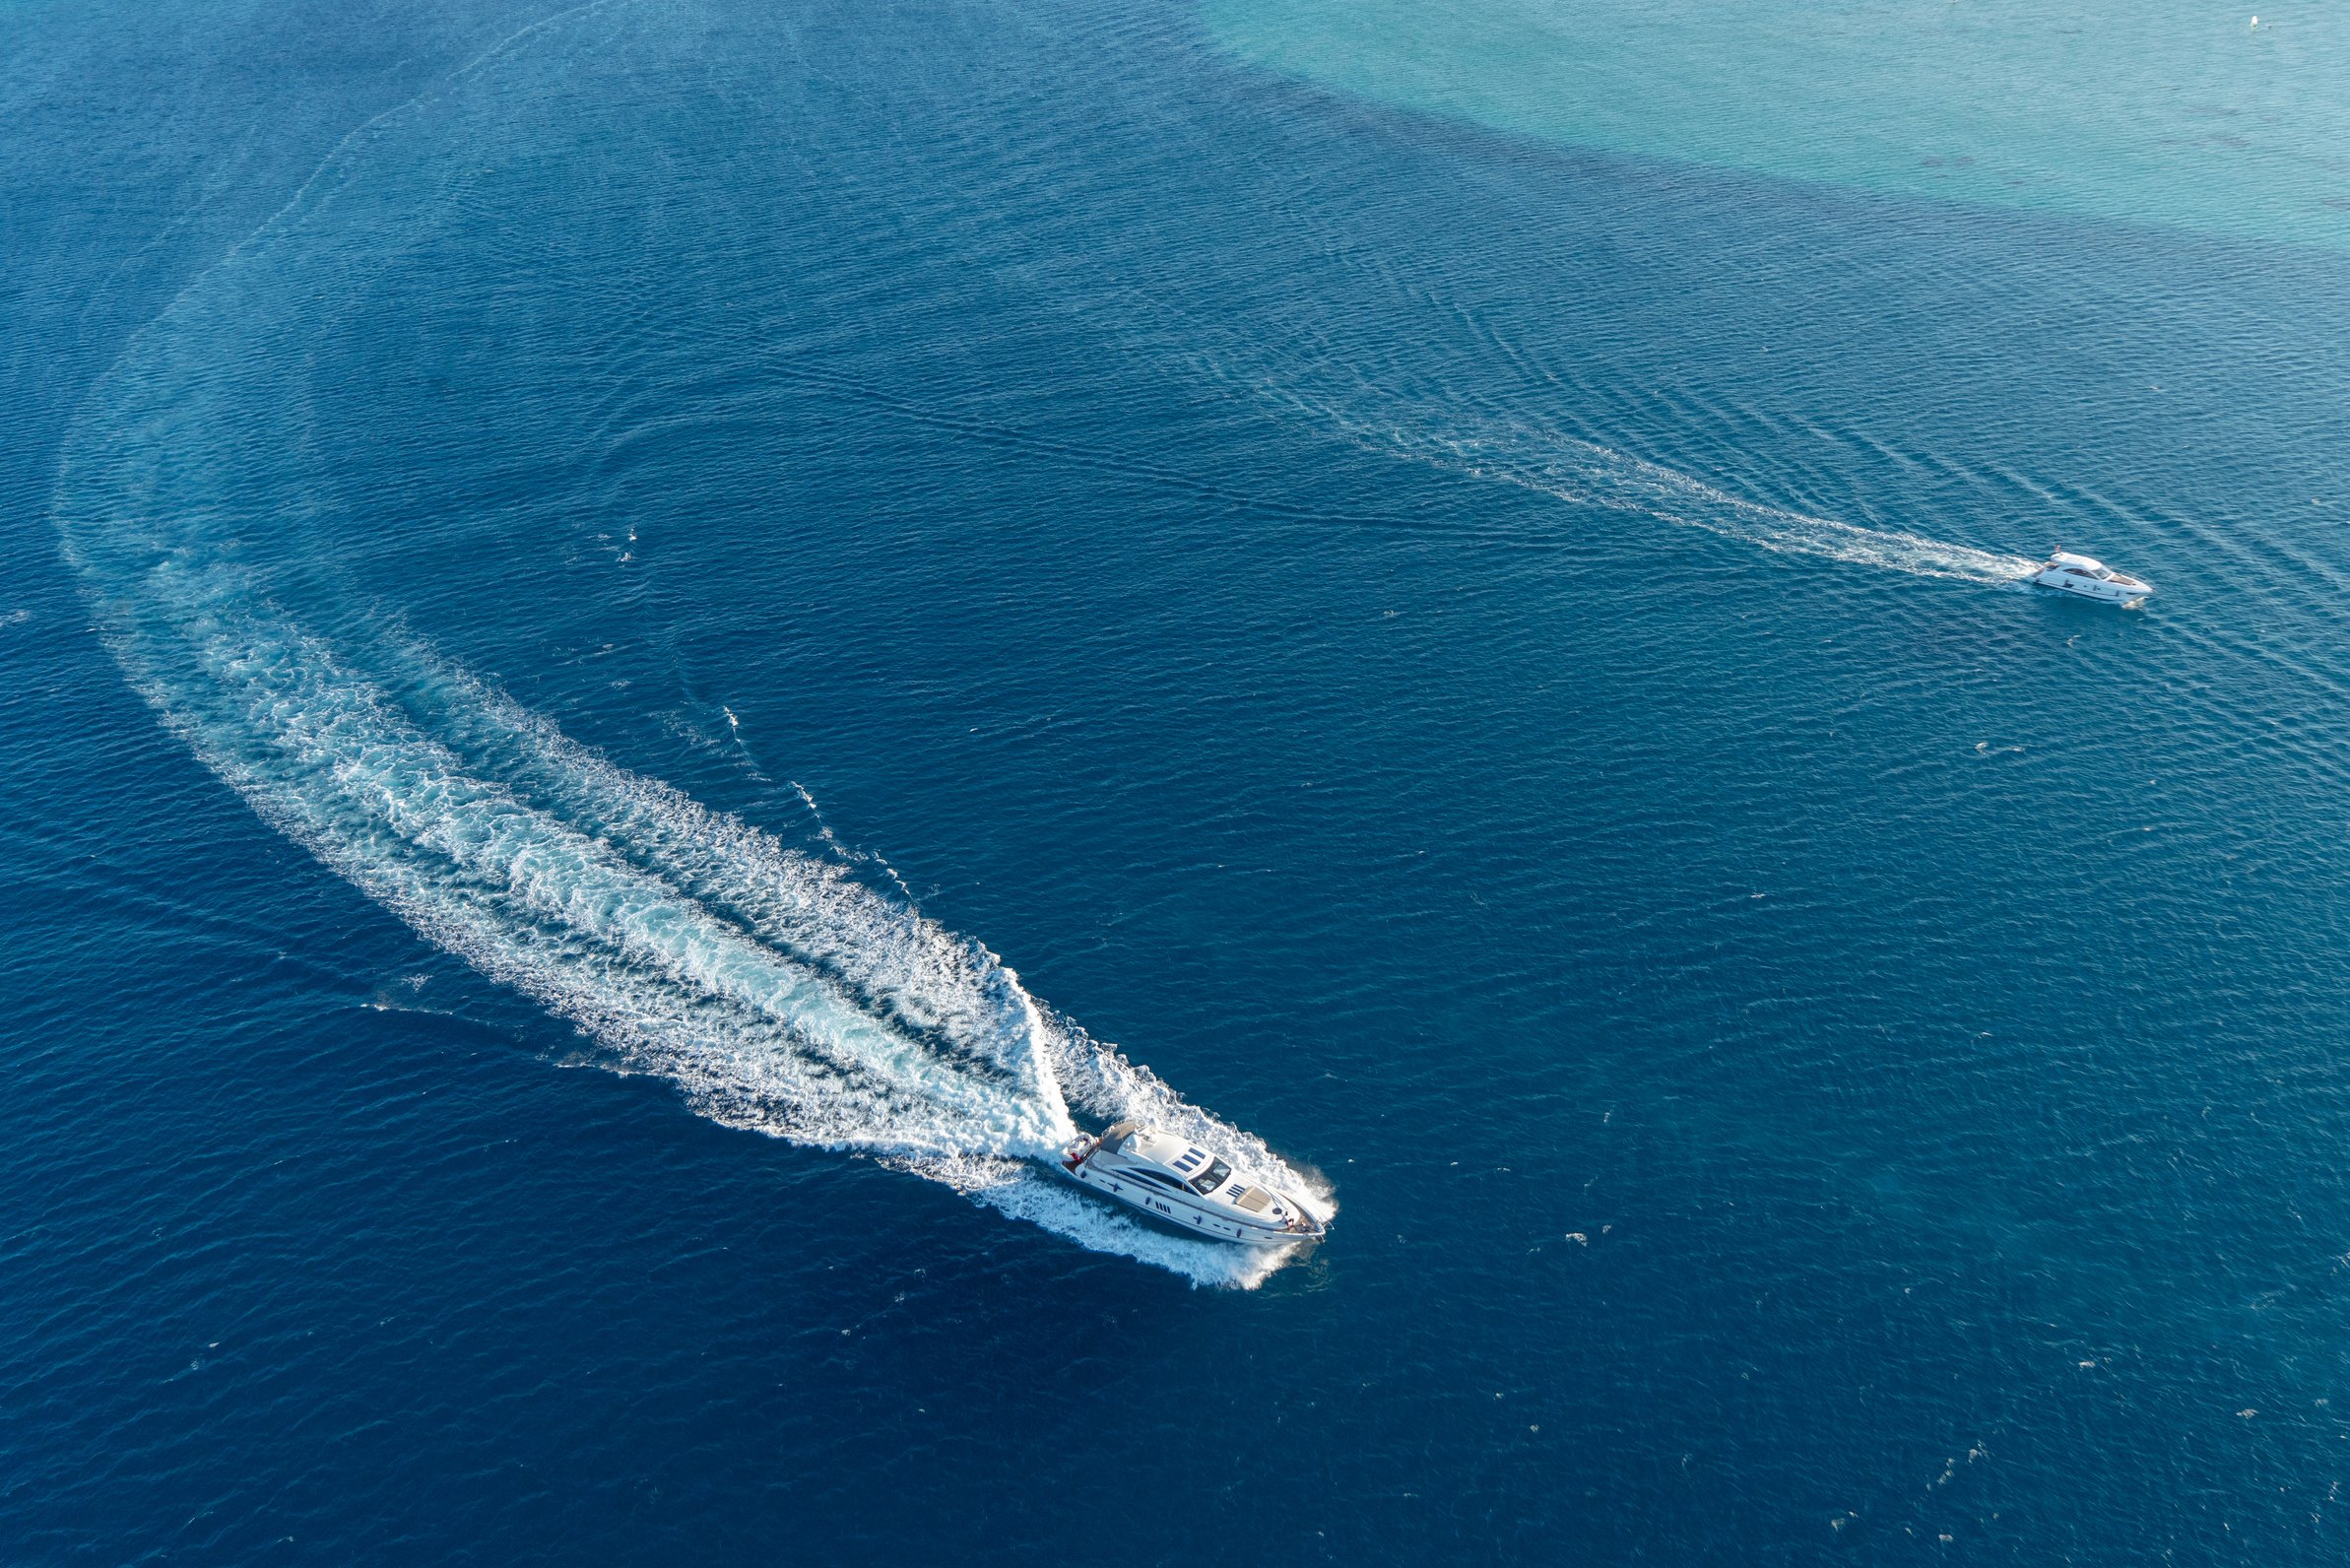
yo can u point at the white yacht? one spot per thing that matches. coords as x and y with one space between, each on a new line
2091 579
1185 1186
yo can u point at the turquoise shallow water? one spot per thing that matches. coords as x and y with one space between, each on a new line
2224 120
648 643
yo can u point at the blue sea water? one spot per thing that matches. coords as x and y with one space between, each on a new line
646 643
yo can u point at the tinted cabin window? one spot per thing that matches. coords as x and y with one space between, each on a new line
1211 1178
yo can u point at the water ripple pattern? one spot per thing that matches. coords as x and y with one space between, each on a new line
1517 450
775 989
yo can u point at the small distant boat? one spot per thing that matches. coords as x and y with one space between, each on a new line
1185 1186
2091 579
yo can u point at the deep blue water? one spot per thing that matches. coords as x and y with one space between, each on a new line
538 539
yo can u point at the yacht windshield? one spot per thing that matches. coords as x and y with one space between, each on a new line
1208 1180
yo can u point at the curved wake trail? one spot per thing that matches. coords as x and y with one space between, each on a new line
1457 435
1582 472
776 991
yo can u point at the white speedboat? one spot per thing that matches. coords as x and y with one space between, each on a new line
1185 1186
2091 579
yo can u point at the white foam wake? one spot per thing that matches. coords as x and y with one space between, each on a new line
1588 474
777 991
1455 434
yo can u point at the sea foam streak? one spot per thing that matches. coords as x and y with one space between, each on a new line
777 992
1585 473
1520 448
774 989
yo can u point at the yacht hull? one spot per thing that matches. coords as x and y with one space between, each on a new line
2103 593
1203 1220
2086 578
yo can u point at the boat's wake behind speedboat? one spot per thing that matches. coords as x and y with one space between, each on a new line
2090 579
1181 1183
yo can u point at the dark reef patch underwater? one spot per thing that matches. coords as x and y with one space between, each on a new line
824 562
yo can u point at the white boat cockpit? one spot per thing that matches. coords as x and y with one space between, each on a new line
1184 1185
2090 579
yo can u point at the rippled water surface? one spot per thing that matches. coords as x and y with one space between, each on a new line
652 645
